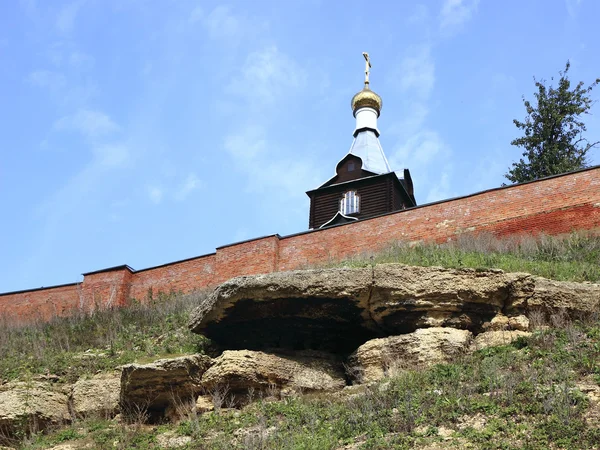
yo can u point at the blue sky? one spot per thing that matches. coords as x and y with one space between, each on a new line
141 132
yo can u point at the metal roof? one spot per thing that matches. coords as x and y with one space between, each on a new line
367 147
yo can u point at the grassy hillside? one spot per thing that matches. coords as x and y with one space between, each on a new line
531 394
574 257
84 344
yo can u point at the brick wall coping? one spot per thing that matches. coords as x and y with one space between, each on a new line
43 288
174 262
110 269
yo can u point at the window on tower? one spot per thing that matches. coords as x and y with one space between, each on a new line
350 203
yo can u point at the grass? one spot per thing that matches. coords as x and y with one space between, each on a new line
519 396
525 395
100 341
573 257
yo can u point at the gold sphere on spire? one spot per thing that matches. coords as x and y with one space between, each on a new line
366 99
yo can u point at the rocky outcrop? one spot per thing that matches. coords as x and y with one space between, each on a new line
153 388
241 371
31 406
570 296
339 309
298 310
405 298
379 357
97 396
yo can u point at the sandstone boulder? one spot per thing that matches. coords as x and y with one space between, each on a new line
171 440
97 396
204 404
242 372
379 357
155 387
31 406
405 298
497 337
573 297
501 322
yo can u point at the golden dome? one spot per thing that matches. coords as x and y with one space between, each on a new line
366 99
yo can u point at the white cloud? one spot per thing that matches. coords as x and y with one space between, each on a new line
112 155
196 15
455 14
249 150
417 72
47 79
81 61
65 20
191 183
572 7
420 15
155 194
222 25
266 76
420 150
30 6
412 121
441 189
248 143
66 94
88 122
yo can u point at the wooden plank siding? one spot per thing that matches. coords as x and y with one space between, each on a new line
378 195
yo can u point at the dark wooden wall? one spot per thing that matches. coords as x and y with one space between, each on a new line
378 195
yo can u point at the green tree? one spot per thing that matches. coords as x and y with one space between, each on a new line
553 140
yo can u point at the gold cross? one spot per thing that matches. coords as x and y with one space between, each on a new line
367 67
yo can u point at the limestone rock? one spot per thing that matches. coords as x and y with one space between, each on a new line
498 322
253 437
520 323
297 309
156 386
73 445
97 396
244 371
339 309
426 346
171 440
204 403
570 296
497 337
503 323
32 405
405 298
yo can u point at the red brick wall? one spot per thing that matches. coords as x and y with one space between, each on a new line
247 258
39 304
555 205
179 276
105 289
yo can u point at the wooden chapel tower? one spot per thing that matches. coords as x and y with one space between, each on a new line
364 184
